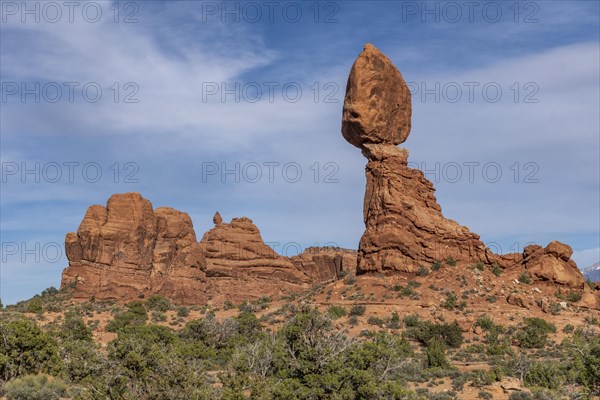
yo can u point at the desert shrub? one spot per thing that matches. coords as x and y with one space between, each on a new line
436 354
135 314
423 271
74 328
373 320
248 325
479 265
451 261
426 331
158 303
26 349
485 395
183 312
336 312
534 333
350 280
436 265
412 321
545 375
584 360
496 269
357 310
451 302
35 387
568 328
394 321
525 278
555 308
573 296
485 323
82 360
158 316
34 306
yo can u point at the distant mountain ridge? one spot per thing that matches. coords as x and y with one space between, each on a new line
592 272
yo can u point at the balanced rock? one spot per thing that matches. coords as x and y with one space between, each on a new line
127 249
240 266
377 106
405 227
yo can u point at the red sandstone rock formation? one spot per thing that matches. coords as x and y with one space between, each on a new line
553 263
323 264
405 227
240 266
404 224
127 249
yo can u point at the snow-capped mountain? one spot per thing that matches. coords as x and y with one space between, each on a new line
592 272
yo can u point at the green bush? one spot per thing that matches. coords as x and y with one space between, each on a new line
423 271
525 278
412 321
479 265
373 320
25 349
534 334
35 387
135 314
451 261
394 321
545 375
436 354
496 269
436 265
183 312
336 312
74 328
158 303
427 331
357 310
34 306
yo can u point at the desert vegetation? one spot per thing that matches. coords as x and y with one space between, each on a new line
259 350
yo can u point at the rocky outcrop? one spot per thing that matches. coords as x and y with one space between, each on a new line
323 264
405 227
404 224
240 266
553 263
127 250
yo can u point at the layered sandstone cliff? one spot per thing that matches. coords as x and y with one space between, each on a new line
240 266
127 249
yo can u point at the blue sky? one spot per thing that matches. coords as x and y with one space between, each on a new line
497 89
